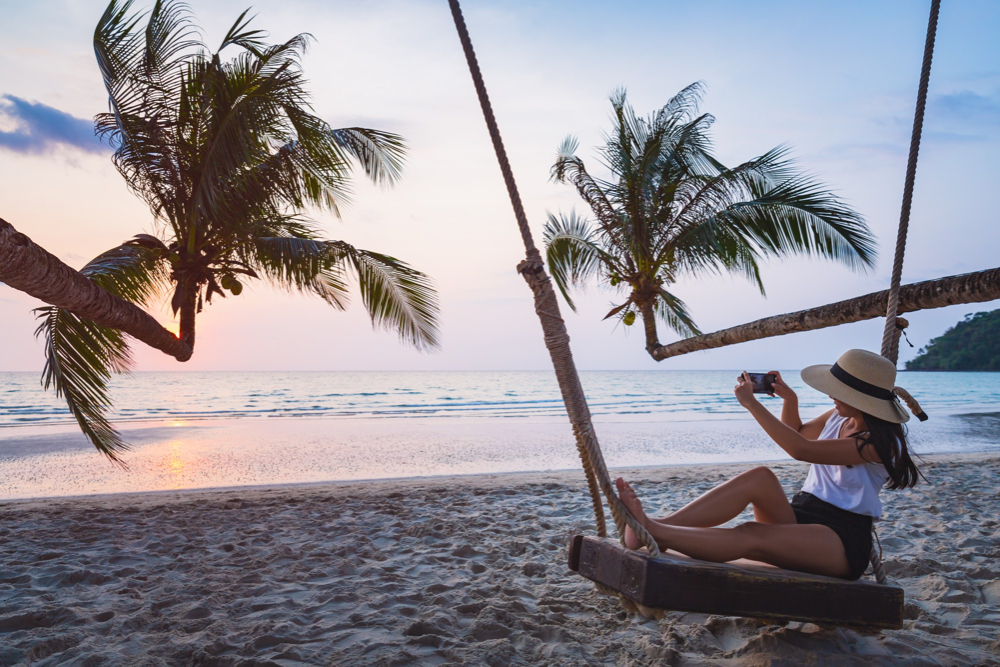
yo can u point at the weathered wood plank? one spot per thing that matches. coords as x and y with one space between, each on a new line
683 584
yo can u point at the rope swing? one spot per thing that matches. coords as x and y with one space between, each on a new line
779 595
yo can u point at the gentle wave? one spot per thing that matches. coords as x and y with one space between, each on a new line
691 395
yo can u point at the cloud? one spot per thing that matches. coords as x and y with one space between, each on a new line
963 117
856 151
969 117
39 128
967 106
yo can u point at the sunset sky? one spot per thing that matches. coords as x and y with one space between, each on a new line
835 80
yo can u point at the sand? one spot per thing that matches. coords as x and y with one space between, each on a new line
447 571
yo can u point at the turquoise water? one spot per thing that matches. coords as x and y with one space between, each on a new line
196 430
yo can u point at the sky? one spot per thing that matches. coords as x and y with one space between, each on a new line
834 80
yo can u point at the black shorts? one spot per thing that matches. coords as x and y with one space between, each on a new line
854 530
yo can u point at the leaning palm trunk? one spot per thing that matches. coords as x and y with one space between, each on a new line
28 267
966 288
648 314
189 289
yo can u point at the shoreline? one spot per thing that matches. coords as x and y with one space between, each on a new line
514 477
449 570
272 452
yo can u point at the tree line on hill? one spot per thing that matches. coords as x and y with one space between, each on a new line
971 345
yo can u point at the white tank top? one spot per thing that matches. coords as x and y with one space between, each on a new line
853 488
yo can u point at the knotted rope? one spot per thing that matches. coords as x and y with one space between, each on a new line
553 326
890 335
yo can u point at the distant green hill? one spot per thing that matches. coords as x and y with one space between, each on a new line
971 345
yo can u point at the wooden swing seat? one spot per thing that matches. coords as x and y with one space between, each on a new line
743 588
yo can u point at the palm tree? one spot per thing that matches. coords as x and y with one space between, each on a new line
672 209
227 154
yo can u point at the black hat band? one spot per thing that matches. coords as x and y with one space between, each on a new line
860 385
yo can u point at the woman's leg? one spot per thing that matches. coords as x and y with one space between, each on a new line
759 486
806 548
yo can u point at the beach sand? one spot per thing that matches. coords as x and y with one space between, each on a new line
447 571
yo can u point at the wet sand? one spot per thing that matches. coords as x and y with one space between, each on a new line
447 571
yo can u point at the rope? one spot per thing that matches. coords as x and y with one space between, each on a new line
553 326
878 569
911 403
890 336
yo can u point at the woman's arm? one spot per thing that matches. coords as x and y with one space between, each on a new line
790 411
843 451
790 405
812 429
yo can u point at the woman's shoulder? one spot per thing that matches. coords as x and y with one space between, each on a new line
832 415
833 421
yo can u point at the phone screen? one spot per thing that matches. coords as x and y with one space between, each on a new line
763 383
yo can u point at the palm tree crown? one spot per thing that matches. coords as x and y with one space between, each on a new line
671 209
227 154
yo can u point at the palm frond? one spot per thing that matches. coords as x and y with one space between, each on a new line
617 309
565 158
800 216
714 247
79 359
686 152
251 94
81 356
213 146
671 207
570 252
766 205
117 44
168 37
240 34
305 264
674 314
380 154
569 168
143 73
397 296
134 272
681 108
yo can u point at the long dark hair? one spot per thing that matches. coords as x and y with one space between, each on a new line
888 439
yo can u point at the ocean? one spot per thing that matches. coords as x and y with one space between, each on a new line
222 429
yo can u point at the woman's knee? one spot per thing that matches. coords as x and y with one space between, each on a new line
752 539
764 472
761 476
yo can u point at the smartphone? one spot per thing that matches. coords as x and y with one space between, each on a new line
763 383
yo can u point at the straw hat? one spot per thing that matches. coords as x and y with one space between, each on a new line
863 380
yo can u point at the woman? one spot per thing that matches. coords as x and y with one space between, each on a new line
855 449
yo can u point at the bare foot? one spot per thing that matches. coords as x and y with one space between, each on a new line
631 501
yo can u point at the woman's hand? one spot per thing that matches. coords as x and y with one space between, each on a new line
744 391
781 389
